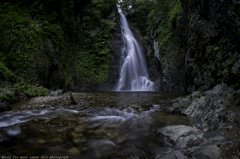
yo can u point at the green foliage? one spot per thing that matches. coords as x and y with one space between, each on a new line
28 90
4 97
105 7
198 96
5 73
163 21
174 14
139 11
225 72
23 39
129 6
227 103
7 97
37 85
93 60
216 49
54 40
219 80
236 86
236 96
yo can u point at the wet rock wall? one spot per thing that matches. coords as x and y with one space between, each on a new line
212 34
205 51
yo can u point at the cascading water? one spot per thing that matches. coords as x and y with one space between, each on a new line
133 74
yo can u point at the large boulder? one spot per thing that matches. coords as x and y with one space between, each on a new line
181 135
167 153
203 109
190 139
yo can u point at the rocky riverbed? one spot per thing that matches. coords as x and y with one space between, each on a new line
125 125
214 116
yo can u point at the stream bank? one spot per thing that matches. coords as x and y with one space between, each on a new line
125 125
214 116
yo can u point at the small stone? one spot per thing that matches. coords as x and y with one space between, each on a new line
77 135
55 93
219 145
84 149
205 130
113 126
78 129
79 140
62 130
56 140
46 121
73 151
120 139
101 131
41 141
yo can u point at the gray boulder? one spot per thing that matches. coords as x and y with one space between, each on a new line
181 135
204 111
195 94
235 70
209 149
176 105
55 93
186 138
208 152
169 153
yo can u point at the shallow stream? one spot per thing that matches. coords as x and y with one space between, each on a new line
102 125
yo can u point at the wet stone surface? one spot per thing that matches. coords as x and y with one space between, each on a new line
101 125
215 113
116 125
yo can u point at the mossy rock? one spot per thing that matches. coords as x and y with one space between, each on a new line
6 74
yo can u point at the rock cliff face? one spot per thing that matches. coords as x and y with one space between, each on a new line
204 50
168 74
212 31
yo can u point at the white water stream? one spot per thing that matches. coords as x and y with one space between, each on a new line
133 74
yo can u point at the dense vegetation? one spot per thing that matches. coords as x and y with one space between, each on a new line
56 38
56 43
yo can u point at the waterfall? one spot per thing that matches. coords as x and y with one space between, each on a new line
133 74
